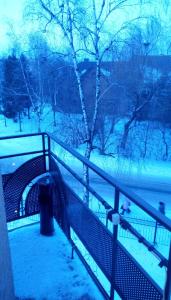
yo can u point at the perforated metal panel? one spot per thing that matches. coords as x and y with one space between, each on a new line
59 196
5 178
16 183
130 279
32 205
91 232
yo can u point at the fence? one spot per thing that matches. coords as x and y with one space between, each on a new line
152 231
116 264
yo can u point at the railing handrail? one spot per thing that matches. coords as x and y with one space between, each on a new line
21 135
154 213
21 154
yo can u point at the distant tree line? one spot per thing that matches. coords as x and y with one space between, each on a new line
15 95
128 89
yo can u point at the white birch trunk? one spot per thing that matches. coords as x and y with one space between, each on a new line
83 107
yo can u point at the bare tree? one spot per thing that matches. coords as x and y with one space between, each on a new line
85 27
39 60
141 83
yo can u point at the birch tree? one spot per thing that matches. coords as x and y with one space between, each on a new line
39 53
90 29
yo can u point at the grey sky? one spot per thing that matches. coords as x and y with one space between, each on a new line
11 12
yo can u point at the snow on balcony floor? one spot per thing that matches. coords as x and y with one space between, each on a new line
43 268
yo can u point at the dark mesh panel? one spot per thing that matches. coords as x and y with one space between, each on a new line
131 281
91 232
16 184
59 196
5 178
32 204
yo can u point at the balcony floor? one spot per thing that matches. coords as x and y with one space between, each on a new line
43 268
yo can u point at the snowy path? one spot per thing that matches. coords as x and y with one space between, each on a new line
107 192
43 268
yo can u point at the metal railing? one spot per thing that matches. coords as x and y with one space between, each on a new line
126 224
118 190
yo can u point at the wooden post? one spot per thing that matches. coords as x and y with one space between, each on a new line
6 278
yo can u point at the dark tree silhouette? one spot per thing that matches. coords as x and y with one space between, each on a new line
15 85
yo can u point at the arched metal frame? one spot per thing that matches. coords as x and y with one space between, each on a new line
15 184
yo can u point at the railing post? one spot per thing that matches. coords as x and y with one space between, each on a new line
49 149
44 150
46 208
155 233
49 145
114 246
167 289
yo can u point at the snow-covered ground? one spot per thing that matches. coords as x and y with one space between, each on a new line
43 268
153 174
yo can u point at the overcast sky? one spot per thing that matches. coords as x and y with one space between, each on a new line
11 9
11 12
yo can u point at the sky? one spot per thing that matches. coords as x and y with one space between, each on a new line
11 15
